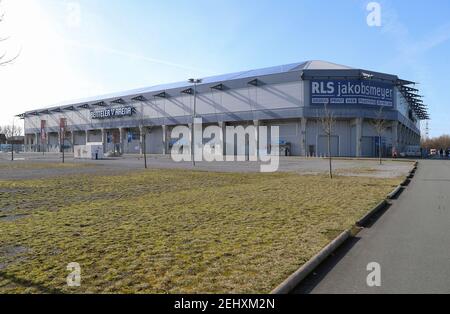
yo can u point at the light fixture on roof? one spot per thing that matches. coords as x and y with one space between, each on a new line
100 104
253 82
161 95
187 91
195 81
366 76
218 86
139 98
119 101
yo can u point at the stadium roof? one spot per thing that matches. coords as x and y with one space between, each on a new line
314 67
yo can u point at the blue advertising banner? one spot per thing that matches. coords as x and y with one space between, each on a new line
351 92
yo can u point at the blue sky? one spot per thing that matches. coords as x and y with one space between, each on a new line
73 49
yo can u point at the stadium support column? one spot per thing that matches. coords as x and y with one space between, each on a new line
121 140
73 141
36 141
303 151
59 141
87 136
359 124
256 124
191 138
164 139
223 127
395 136
104 140
409 136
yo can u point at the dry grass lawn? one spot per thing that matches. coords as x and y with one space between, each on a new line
172 231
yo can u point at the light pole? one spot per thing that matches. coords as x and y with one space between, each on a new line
13 131
62 135
194 114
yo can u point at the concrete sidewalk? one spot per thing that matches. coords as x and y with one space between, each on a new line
411 242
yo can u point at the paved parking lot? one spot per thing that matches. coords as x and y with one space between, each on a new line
350 167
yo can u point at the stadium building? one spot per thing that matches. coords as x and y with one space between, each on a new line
294 97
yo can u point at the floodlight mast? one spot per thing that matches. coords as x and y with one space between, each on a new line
194 114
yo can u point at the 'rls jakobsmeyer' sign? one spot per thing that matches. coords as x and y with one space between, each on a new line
351 92
109 113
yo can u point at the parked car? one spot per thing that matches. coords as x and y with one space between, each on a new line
411 151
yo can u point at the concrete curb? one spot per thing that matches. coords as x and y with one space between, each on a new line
406 182
376 209
402 185
413 170
396 192
293 280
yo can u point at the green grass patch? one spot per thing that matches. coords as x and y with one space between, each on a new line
172 231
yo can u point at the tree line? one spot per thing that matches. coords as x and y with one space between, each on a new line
442 141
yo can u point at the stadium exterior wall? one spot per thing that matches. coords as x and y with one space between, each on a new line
276 99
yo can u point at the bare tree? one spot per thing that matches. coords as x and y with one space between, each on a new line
4 59
380 125
144 129
12 132
143 141
328 121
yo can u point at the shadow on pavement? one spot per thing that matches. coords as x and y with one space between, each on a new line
377 216
310 282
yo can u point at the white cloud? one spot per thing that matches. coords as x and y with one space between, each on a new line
131 55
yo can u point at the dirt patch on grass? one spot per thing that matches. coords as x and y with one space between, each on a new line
12 217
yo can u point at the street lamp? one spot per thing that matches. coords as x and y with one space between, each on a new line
194 114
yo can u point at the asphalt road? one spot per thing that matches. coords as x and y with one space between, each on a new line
410 241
